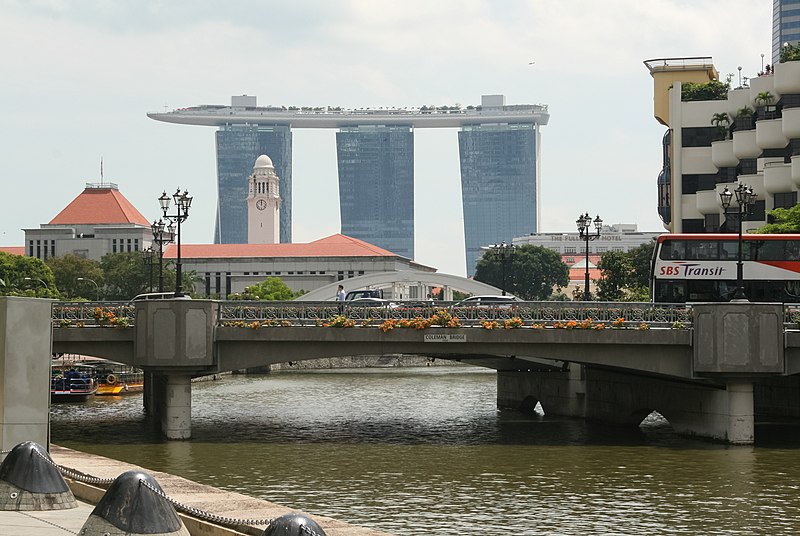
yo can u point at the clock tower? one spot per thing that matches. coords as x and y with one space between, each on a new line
263 203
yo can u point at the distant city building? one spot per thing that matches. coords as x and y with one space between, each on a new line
376 185
498 145
263 203
99 221
621 237
785 25
760 148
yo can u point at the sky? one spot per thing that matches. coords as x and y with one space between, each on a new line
78 77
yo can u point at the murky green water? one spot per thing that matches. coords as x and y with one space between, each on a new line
425 451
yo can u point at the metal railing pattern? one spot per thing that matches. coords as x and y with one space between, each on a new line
76 314
319 313
295 313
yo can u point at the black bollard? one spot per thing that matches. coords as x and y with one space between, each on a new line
293 525
29 481
130 507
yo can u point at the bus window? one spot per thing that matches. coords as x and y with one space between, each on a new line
766 250
701 250
670 291
729 250
673 249
792 250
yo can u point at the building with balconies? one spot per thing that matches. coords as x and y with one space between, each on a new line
718 137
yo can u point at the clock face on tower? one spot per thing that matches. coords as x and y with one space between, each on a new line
261 204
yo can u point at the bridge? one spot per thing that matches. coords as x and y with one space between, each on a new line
710 369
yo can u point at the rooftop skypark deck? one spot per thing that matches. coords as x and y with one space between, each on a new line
337 117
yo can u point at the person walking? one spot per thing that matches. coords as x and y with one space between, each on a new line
340 295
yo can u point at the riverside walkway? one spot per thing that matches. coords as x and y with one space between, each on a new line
199 496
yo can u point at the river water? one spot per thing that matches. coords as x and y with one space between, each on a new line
425 451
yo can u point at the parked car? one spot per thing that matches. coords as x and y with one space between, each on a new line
488 301
371 302
364 293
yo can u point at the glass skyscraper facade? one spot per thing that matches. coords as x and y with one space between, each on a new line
238 147
376 186
499 177
785 25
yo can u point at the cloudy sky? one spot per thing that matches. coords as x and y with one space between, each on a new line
77 78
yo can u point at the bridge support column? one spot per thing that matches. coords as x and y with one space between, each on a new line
560 391
176 407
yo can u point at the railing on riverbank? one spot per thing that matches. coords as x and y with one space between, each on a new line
295 313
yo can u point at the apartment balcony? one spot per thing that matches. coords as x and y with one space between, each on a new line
777 177
738 98
763 84
744 144
722 154
708 202
791 122
787 77
769 134
796 169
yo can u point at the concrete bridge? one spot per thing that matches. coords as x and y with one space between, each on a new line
711 369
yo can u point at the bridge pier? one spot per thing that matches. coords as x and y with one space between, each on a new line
560 391
175 407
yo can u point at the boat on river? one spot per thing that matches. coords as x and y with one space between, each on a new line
108 377
114 379
71 386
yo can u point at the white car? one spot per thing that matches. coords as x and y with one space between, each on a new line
371 302
487 301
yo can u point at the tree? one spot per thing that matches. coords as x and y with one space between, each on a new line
272 288
68 268
125 275
615 274
784 221
26 276
626 276
531 272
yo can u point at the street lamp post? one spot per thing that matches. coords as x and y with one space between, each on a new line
37 279
584 223
183 201
161 235
148 260
505 251
92 281
745 199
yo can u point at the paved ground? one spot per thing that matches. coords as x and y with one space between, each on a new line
52 523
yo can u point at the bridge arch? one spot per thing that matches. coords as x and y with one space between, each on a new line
401 282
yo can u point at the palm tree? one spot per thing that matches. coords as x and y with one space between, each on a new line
764 98
721 121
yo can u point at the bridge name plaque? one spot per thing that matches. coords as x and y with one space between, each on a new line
445 337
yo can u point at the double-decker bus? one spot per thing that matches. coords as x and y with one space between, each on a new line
702 267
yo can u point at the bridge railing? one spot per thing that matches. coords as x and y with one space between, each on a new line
791 317
627 314
80 314
296 313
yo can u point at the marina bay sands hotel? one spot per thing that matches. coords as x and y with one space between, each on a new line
498 150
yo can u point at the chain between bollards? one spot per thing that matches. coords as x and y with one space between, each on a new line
184 508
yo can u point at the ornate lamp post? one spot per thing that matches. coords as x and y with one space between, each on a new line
93 282
745 199
584 223
183 201
161 235
505 252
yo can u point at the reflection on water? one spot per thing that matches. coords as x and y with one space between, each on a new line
425 451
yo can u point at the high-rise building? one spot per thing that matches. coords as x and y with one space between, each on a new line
499 147
755 141
785 25
499 184
376 186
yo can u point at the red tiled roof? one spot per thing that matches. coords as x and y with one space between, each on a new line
99 206
337 245
14 250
